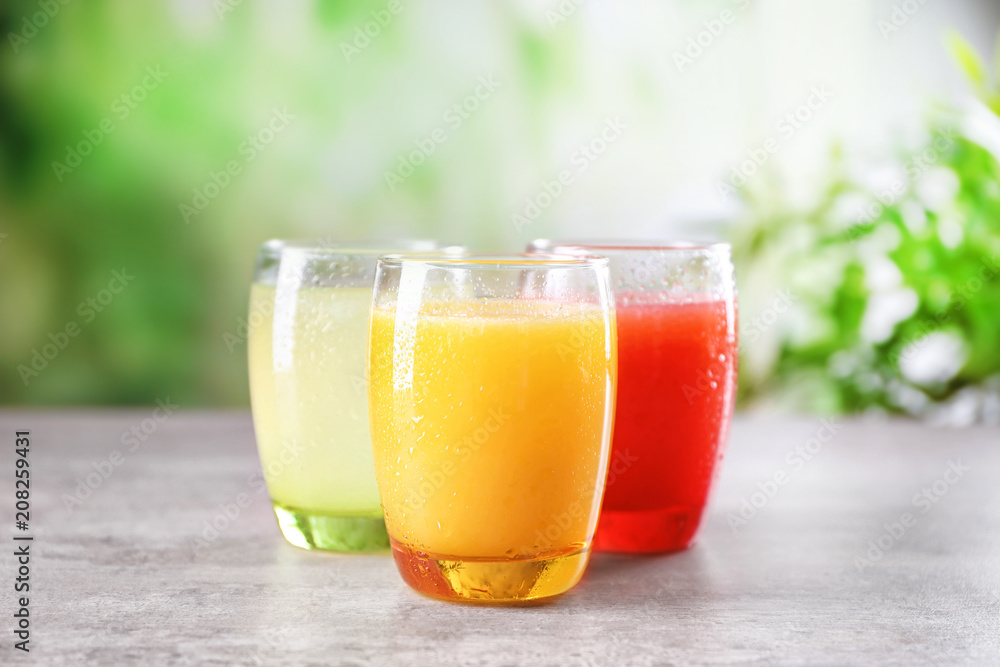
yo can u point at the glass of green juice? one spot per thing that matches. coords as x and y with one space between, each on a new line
308 350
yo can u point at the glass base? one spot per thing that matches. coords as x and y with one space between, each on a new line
311 530
489 581
648 531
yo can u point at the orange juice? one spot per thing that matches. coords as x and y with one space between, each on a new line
490 424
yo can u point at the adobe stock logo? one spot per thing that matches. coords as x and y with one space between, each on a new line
121 108
585 155
365 34
713 30
229 512
899 17
249 149
59 340
30 25
244 326
546 538
913 168
466 448
893 532
454 116
223 7
796 459
786 128
135 437
620 463
562 12
781 304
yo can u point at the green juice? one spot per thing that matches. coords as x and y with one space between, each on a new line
310 410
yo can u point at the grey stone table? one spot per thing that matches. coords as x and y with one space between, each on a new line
858 543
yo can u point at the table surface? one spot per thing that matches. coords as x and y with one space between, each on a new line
822 572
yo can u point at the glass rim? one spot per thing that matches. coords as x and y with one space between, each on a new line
320 249
485 260
630 245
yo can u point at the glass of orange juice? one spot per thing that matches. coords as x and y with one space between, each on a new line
491 397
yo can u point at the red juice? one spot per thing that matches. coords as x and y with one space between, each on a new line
676 387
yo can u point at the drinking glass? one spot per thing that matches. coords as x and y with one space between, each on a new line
676 311
308 350
492 384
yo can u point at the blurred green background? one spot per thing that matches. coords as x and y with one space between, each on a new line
848 151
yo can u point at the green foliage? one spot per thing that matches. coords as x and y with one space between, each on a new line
896 283
975 70
926 243
968 60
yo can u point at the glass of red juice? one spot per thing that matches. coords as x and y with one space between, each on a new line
677 347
